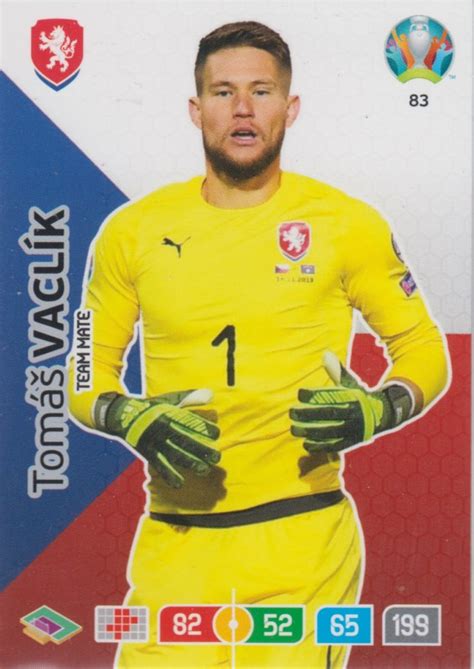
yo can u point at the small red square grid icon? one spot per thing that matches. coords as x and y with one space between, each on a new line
117 623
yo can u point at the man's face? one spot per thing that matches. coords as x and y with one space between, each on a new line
243 110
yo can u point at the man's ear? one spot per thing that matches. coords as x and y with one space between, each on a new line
293 109
194 107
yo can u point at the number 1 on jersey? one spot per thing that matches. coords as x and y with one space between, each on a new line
228 333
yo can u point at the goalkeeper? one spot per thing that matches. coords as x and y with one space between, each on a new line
245 281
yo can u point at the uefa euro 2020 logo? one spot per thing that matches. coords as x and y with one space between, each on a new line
419 48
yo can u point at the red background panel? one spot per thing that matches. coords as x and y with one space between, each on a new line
412 489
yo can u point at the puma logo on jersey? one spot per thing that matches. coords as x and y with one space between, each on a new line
169 242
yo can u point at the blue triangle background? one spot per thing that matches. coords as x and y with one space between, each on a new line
41 167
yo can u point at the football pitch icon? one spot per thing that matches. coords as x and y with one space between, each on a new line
44 625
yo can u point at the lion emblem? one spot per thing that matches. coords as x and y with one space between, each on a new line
294 238
60 46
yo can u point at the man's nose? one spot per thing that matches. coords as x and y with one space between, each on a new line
243 104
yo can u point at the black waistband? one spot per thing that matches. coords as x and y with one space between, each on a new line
256 514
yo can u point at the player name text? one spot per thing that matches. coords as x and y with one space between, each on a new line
48 288
48 284
46 391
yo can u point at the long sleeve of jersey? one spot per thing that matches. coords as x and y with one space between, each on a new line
111 298
381 287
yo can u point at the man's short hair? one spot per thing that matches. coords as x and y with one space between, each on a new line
242 33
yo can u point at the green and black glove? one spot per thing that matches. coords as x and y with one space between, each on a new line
162 430
333 419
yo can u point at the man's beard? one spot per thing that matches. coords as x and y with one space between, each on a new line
242 171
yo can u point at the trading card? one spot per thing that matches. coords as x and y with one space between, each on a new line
236 334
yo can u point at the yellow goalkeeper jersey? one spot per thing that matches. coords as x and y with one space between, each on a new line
245 302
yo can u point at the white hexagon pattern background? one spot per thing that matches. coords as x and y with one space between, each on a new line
127 110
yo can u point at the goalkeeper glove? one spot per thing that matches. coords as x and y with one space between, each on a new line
161 430
333 419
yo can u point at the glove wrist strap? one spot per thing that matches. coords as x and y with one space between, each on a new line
102 413
401 402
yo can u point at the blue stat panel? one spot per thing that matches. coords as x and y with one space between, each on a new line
341 625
